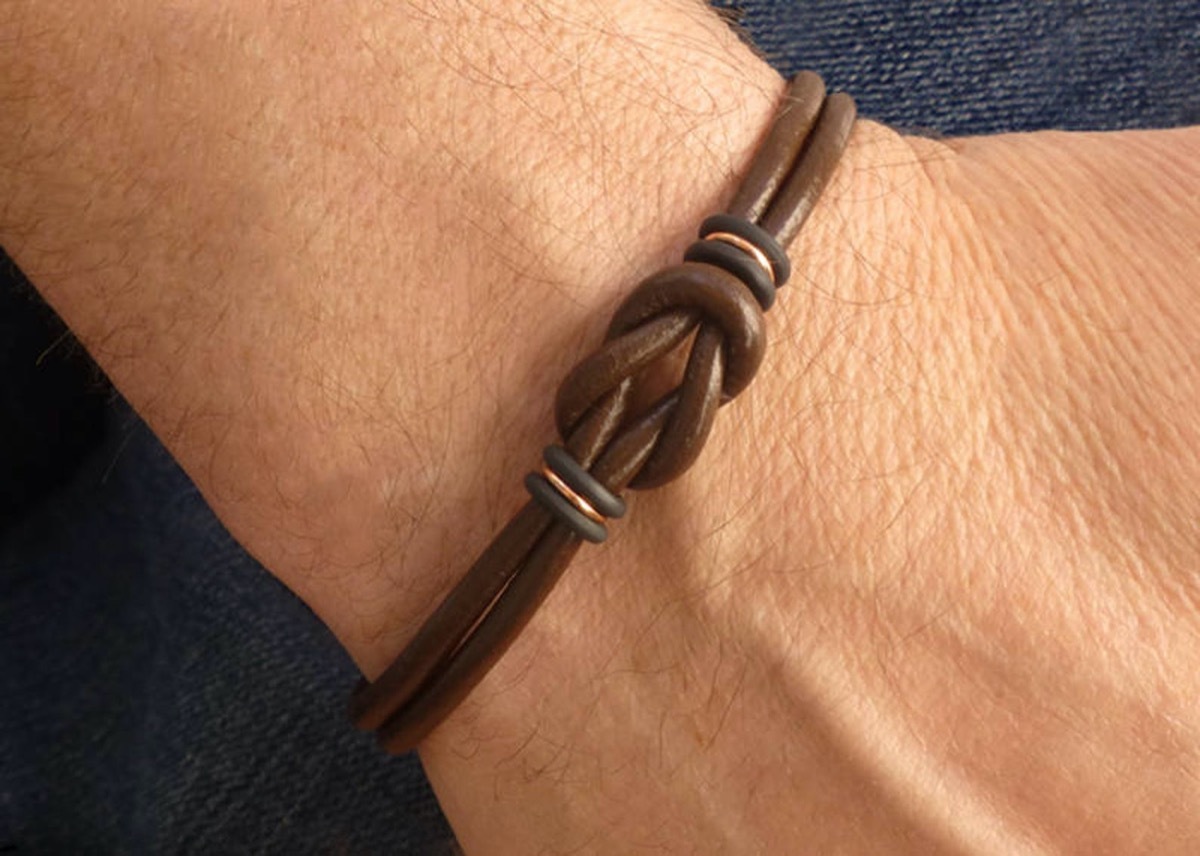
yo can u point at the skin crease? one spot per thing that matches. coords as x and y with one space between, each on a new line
930 588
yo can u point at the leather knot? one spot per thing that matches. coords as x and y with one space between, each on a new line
656 318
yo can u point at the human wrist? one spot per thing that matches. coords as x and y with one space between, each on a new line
210 247
602 628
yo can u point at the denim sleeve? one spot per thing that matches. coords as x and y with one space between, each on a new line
983 66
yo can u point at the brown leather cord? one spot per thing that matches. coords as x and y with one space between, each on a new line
618 448
777 154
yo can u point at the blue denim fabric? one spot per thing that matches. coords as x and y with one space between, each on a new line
163 694
982 66
160 693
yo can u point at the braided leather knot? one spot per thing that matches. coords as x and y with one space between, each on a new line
660 314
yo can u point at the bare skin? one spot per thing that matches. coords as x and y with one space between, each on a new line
931 588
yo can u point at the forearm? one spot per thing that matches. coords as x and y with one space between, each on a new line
306 245
338 259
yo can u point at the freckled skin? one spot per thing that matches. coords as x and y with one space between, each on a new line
931 586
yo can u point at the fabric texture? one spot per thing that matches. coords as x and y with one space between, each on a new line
985 66
163 694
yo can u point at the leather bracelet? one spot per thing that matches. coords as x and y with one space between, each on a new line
728 279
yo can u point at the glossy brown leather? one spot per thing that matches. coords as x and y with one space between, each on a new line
622 448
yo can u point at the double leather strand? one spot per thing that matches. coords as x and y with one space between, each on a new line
718 295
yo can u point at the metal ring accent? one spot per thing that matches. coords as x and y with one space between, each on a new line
571 496
729 258
781 265
747 248
582 482
547 496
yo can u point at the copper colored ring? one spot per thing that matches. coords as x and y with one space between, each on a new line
746 247
571 496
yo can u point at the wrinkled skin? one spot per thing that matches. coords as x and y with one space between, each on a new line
932 587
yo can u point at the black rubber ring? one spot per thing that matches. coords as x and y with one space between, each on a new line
568 469
781 265
561 507
737 262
